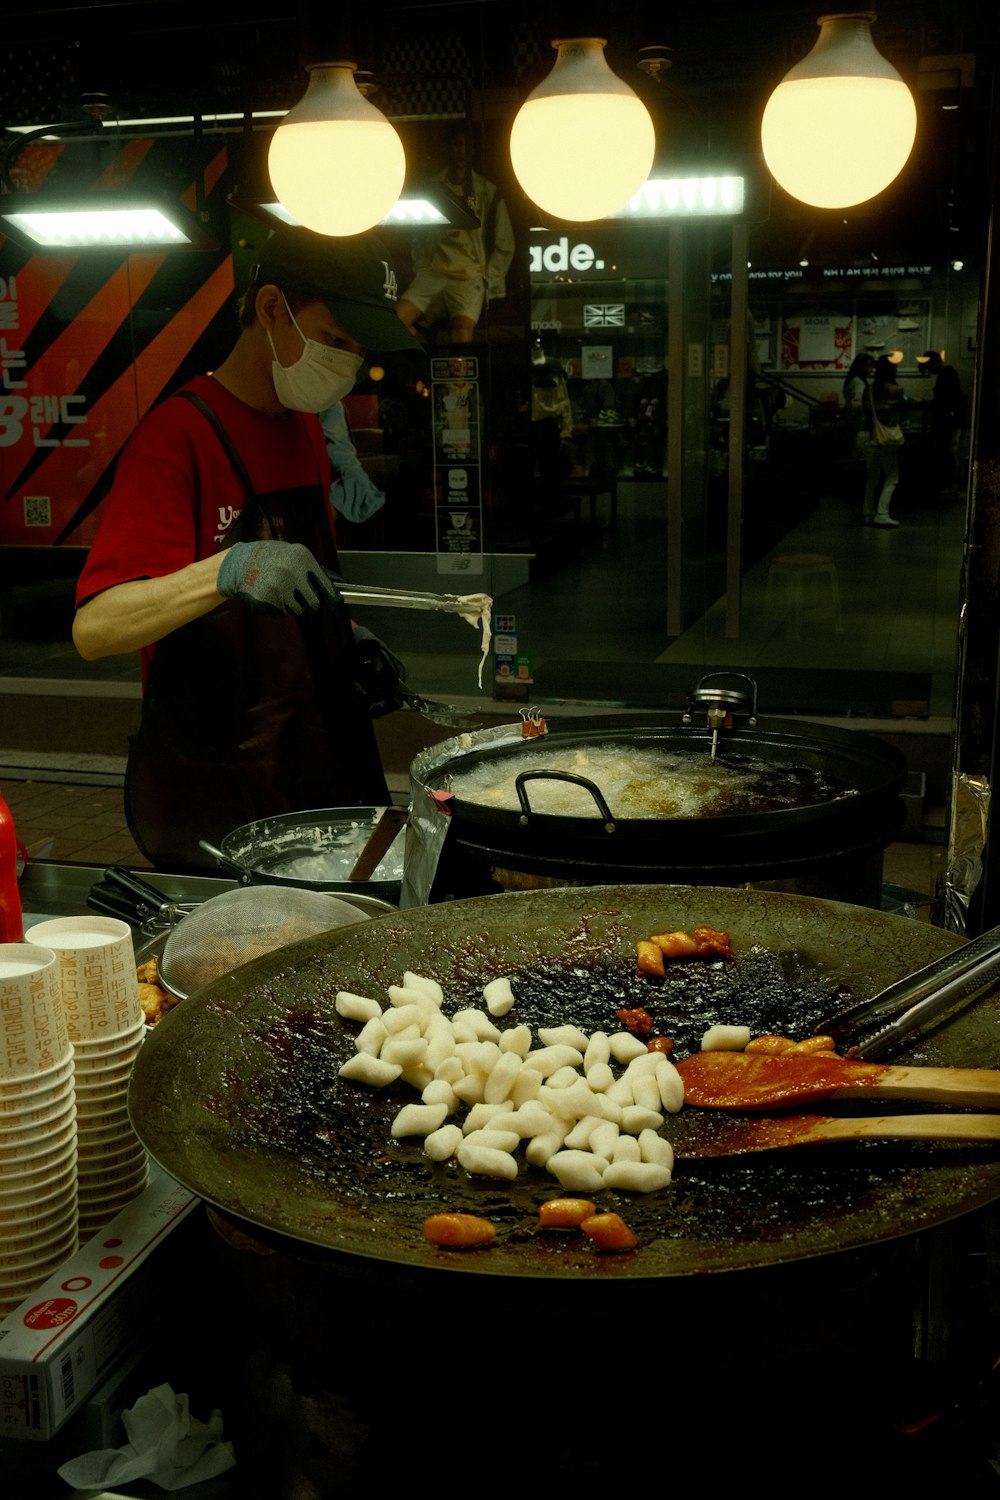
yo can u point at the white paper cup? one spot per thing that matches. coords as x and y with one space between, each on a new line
90 1104
94 1191
51 1248
16 1122
33 1029
23 1280
94 1218
117 1192
102 1118
97 977
108 1049
15 1144
38 1173
114 1159
94 1145
36 1087
45 1200
39 1209
114 1070
40 1230
44 1147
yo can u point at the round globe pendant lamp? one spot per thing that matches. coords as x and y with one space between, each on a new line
582 142
336 164
841 124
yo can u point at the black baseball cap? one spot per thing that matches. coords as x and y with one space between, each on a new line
352 274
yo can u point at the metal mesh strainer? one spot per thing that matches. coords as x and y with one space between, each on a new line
233 928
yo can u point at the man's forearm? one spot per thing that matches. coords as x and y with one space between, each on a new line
136 614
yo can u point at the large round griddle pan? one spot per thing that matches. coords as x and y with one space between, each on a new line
236 1092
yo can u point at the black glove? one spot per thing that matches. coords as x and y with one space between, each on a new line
277 578
378 674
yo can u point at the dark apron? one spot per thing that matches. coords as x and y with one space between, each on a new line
247 715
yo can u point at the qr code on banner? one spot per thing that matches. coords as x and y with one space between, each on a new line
37 510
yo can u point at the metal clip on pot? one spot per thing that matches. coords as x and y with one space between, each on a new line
588 786
912 1005
720 704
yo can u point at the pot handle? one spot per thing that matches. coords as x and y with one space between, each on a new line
240 871
115 903
134 886
588 786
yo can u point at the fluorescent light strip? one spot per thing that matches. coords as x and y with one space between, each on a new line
403 211
91 228
209 120
685 197
414 211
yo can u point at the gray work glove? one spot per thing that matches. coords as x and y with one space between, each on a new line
277 578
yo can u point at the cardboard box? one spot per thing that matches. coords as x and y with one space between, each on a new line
69 1335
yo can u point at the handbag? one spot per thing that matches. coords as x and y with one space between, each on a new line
883 436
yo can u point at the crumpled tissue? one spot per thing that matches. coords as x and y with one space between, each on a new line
165 1445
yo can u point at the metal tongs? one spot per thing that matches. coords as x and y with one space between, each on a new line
446 714
913 1004
370 593
122 894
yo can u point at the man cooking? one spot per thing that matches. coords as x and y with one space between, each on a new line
210 560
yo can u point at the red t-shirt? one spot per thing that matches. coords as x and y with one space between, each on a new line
176 497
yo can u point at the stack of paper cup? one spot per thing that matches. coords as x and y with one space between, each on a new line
38 1208
106 1025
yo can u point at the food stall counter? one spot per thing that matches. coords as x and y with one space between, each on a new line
51 889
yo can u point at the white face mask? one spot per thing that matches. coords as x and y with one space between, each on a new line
319 377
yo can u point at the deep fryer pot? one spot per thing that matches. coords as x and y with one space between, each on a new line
831 847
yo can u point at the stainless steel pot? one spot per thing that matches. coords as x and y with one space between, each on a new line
259 853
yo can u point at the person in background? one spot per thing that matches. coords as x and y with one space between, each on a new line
551 420
883 396
854 390
460 270
947 417
856 381
213 560
353 494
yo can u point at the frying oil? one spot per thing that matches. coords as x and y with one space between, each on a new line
646 782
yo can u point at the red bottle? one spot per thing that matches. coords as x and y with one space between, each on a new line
11 925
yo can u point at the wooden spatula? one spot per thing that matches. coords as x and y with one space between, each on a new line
736 1137
378 843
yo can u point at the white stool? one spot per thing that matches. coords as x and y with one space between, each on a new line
789 576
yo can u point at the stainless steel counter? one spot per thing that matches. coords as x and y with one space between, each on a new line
49 889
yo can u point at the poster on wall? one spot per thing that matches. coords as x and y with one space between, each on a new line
89 341
816 341
458 511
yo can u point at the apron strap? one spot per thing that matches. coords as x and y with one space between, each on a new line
232 453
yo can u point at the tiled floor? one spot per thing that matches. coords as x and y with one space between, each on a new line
78 824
